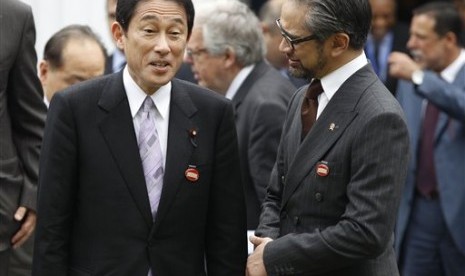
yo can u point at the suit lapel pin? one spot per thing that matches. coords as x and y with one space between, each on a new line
192 174
322 169
332 126
192 135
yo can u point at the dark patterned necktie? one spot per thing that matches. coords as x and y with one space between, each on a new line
426 171
310 106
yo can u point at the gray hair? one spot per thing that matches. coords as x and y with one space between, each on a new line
327 17
231 25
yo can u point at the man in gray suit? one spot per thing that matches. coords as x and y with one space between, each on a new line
430 232
22 119
334 191
227 53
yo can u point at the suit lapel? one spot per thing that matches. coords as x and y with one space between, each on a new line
117 129
180 147
336 117
244 89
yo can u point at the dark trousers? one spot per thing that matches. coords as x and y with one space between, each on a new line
428 249
4 262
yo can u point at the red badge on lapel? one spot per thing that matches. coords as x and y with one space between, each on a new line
192 174
322 169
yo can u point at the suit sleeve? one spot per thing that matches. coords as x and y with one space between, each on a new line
57 190
448 97
226 230
27 111
364 231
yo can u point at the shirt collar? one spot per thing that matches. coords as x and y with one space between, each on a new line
136 96
451 71
333 81
238 80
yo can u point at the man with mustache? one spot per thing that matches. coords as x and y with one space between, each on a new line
430 238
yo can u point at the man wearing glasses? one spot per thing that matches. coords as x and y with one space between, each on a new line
334 191
230 60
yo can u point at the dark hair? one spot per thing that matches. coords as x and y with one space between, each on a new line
446 16
53 51
125 11
327 17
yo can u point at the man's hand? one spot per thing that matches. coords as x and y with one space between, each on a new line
28 219
401 66
255 265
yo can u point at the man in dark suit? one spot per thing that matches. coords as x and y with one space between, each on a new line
22 119
227 55
139 171
386 35
116 60
62 64
331 202
430 237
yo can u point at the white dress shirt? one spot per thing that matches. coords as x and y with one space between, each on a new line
333 81
238 80
161 98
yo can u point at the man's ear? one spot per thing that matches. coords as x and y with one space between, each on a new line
229 57
339 43
118 35
43 71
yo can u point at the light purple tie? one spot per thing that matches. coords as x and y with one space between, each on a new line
150 154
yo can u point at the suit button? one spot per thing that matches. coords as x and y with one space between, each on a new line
319 197
283 179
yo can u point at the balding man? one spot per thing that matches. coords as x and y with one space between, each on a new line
63 63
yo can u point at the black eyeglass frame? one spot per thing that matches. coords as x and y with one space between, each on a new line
293 41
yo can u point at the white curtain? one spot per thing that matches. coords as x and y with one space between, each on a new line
52 15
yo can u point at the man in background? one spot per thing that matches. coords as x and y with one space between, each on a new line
430 239
272 36
73 54
22 119
116 61
227 53
386 35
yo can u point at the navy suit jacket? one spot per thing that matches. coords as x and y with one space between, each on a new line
93 209
449 149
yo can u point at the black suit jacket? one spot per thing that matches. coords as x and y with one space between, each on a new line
260 109
22 115
94 213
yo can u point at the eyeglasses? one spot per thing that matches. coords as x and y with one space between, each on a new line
291 42
191 54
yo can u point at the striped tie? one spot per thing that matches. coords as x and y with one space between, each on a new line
150 154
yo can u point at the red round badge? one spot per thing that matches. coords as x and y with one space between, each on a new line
192 174
322 170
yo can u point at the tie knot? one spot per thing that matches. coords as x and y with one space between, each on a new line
314 90
148 104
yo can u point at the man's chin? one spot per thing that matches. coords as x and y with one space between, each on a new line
298 73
